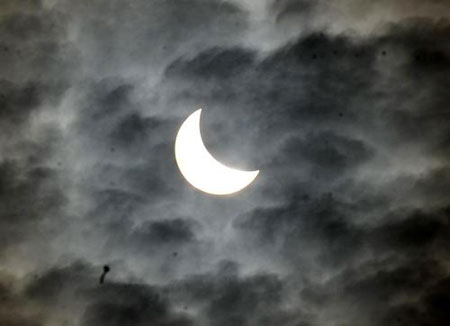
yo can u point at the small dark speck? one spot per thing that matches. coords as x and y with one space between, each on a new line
383 52
335 52
185 307
112 149
175 254
314 56
106 269
305 197
341 114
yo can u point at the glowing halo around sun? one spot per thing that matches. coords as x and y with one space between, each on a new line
200 168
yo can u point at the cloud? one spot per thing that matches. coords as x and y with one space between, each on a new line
26 202
359 17
345 116
149 32
330 122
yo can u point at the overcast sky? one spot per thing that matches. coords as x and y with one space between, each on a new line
343 106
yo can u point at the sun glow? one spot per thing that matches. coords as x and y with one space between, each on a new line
200 168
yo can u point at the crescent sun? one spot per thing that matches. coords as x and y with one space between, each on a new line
200 168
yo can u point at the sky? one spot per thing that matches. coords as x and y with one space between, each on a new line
343 106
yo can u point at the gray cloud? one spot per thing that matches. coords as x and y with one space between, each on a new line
341 106
358 16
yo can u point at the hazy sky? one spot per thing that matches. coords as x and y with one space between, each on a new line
343 106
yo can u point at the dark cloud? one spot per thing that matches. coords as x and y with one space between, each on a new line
131 304
20 101
29 196
113 303
15 309
176 230
53 284
223 297
31 187
344 115
34 48
407 261
213 64
227 298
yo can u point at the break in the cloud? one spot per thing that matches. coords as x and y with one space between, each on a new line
343 107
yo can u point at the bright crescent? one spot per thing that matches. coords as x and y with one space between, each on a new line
200 168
